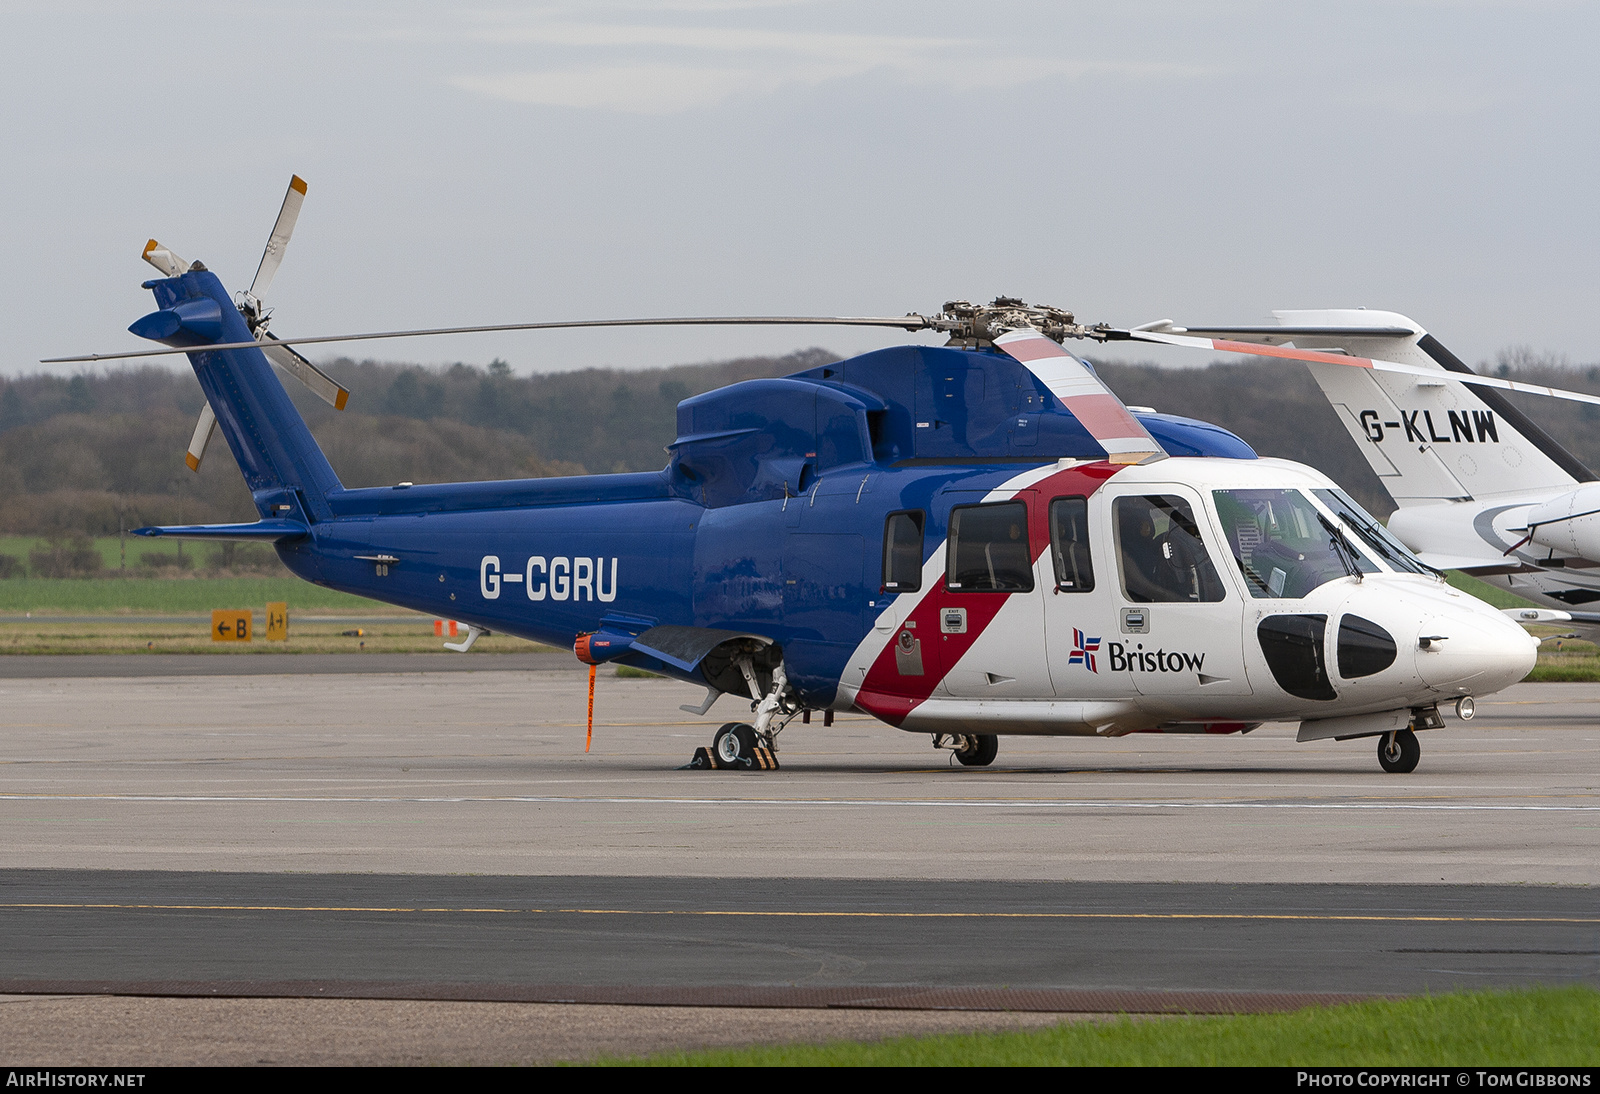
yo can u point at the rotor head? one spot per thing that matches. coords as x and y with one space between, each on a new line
972 325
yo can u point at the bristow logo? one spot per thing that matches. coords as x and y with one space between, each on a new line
1083 650
1137 660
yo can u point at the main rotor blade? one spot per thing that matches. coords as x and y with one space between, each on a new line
1277 335
324 386
1222 345
203 429
907 323
279 239
1108 421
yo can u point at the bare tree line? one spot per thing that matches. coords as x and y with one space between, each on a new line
100 451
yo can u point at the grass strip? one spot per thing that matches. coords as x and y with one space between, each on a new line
170 596
1489 594
1542 1027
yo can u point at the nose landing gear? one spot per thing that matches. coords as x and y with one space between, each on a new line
970 749
1399 752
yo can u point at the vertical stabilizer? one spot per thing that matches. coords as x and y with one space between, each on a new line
286 472
1429 440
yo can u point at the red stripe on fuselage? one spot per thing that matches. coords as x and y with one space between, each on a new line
886 694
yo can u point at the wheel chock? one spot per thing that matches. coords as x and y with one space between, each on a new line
703 760
706 760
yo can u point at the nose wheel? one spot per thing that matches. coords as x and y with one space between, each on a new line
978 750
1399 752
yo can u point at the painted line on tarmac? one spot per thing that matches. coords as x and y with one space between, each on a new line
890 803
789 914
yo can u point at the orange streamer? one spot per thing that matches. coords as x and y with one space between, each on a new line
589 736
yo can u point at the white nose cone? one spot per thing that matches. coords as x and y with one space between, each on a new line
1473 651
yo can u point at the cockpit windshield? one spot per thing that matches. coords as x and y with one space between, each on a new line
1393 553
1284 545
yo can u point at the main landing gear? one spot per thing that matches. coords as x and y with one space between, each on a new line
739 746
970 749
1399 752
734 744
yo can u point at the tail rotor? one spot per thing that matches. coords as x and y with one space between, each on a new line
257 316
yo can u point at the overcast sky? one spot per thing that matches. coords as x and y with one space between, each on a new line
519 162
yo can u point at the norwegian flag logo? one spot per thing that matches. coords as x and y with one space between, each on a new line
1083 650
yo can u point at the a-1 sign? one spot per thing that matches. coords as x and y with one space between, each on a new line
230 626
278 621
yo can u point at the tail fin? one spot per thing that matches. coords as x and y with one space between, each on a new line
286 472
1429 440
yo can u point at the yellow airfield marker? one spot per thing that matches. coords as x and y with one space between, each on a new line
278 621
229 625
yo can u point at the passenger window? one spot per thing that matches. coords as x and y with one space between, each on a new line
902 552
1162 557
1069 545
989 549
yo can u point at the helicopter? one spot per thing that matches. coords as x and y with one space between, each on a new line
1480 487
965 541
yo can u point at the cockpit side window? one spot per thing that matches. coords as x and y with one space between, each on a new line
902 551
1284 546
1162 557
989 549
1069 545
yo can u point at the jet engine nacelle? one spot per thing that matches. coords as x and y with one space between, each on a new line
1569 524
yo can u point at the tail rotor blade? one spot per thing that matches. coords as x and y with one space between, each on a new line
279 239
203 429
324 386
164 260
1110 423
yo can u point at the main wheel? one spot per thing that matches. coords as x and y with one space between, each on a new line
980 752
734 744
1398 753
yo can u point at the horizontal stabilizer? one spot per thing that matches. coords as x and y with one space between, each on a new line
273 530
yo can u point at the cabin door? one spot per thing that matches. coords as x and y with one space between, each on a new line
1177 627
990 623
